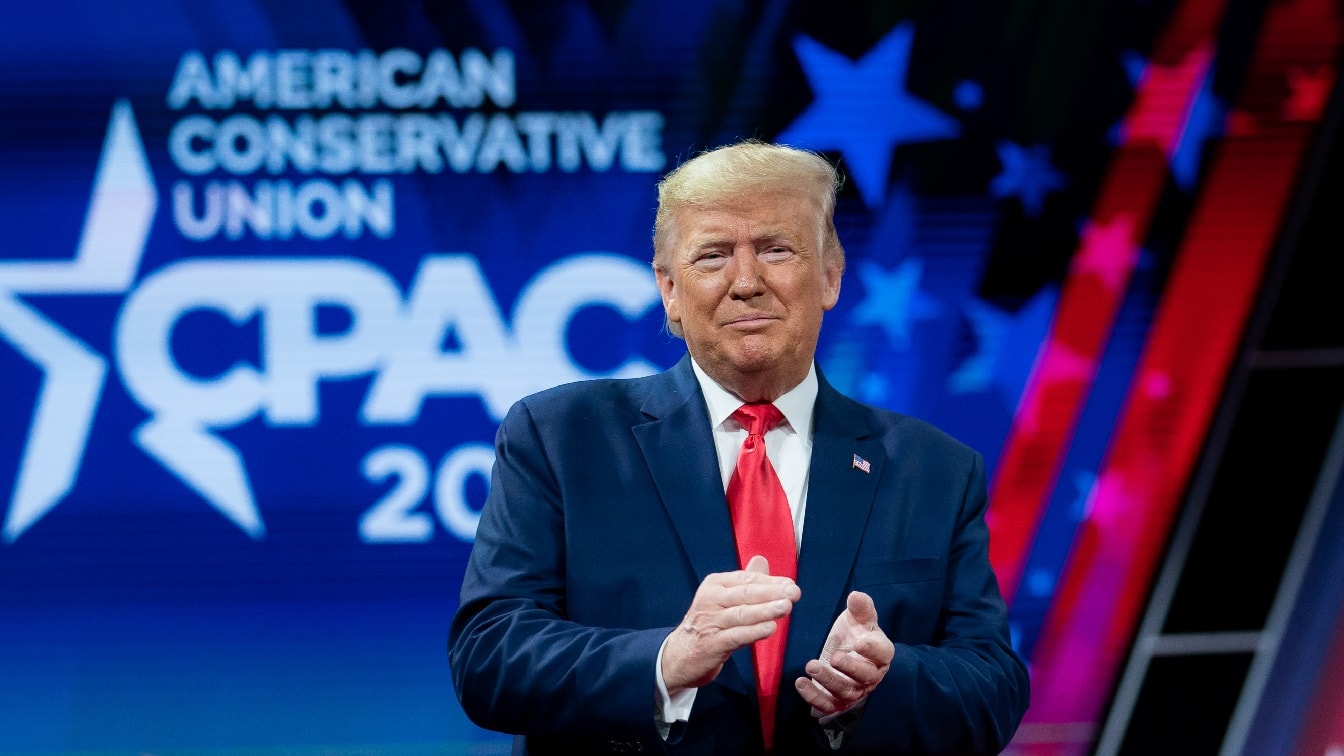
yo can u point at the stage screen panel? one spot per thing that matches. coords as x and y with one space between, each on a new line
273 272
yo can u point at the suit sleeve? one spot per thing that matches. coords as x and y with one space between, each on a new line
519 665
967 691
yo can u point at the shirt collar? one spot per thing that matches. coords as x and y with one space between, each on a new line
796 404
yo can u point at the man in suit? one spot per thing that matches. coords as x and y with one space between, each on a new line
645 579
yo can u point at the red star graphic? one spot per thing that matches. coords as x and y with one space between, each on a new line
1163 98
1307 93
1108 252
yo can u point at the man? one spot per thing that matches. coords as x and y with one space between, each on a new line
644 579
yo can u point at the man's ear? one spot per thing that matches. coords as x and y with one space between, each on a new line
667 289
833 272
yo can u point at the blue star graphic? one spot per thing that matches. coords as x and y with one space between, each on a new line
1027 174
1204 121
893 235
1083 482
1207 115
1133 63
862 109
1015 637
894 300
1040 582
875 388
843 359
969 95
1008 346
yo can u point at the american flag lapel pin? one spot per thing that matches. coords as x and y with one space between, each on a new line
862 464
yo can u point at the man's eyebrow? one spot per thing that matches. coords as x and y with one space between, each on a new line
764 235
782 237
710 239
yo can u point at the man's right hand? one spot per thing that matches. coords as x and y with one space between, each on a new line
730 610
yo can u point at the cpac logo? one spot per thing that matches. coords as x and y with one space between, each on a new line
394 338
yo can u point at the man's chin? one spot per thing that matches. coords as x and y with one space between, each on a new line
756 364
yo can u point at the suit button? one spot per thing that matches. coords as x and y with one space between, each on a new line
621 745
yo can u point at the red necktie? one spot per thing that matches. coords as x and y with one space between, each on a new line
763 524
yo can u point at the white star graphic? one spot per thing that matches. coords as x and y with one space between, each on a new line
116 228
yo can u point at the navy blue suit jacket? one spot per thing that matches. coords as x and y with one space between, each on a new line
607 510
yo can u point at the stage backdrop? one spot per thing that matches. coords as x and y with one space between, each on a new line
272 272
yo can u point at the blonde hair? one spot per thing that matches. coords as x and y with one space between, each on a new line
746 167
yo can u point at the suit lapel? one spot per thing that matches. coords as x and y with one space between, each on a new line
678 446
840 497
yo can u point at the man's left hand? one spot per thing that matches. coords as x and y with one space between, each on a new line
853 660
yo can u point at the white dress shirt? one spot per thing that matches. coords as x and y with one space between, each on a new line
788 445
789 448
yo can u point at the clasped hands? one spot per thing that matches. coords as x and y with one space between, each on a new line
735 609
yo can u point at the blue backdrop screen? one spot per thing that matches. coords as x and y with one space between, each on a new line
272 273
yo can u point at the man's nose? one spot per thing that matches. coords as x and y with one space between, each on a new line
747 274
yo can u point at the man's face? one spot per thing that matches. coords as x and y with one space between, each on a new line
747 282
